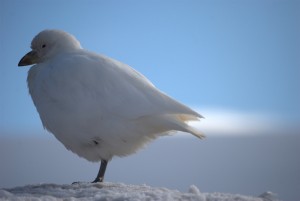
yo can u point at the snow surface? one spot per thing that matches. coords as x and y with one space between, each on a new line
117 192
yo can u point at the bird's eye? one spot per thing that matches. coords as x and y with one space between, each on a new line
44 45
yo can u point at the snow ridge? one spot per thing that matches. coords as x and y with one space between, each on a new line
117 192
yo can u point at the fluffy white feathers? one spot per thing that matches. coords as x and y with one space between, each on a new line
96 106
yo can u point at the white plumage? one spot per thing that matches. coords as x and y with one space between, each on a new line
96 106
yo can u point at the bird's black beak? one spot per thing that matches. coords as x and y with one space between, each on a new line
30 58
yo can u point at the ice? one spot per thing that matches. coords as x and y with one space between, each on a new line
117 192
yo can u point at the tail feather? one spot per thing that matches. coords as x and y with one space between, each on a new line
176 122
183 118
195 132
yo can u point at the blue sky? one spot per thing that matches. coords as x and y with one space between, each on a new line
232 55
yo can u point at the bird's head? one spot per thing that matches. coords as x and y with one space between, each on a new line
47 44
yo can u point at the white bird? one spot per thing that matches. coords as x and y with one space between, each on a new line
95 106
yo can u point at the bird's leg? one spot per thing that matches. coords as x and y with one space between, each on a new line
100 176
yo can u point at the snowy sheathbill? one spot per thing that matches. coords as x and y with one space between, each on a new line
95 106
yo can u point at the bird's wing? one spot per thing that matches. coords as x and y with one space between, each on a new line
110 88
135 91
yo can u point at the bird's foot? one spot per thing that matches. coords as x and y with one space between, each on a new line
98 180
79 182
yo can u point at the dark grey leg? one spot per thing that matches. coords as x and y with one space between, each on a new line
100 176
